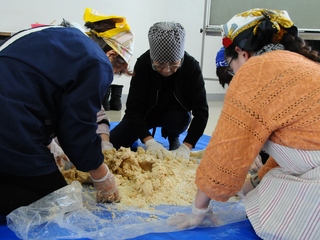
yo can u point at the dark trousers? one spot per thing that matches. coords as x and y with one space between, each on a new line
19 191
173 122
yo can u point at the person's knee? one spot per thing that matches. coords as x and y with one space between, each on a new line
122 135
177 119
175 122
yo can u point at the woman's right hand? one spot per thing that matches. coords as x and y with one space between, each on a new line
106 188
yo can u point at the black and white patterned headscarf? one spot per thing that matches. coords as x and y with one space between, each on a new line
166 41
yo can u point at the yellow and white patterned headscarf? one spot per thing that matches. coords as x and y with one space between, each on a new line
119 38
246 25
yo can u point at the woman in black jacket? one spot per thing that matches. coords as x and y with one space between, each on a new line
167 91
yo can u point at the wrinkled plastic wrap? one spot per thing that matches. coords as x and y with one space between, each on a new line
71 212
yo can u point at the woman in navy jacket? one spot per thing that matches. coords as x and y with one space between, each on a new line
53 79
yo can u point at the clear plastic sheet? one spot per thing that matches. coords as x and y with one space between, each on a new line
71 213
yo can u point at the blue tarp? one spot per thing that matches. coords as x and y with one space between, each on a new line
238 230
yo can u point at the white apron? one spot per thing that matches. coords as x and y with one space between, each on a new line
286 203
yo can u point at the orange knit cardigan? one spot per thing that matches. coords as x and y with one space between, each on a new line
276 97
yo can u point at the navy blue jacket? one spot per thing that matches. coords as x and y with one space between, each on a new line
52 81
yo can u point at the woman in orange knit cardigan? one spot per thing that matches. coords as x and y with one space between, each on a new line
272 103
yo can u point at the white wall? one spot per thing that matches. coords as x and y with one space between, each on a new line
212 45
140 14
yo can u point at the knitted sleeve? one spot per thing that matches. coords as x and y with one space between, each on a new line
236 141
